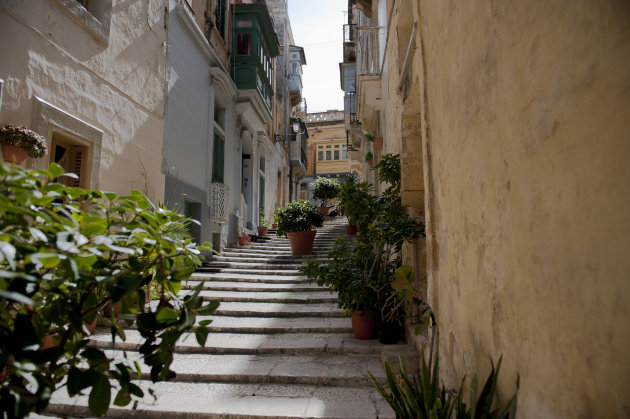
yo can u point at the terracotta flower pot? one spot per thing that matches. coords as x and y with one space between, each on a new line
378 143
274 226
323 210
243 240
262 231
302 242
49 341
371 162
13 154
351 230
363 324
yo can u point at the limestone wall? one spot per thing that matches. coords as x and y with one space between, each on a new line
112 85
526 113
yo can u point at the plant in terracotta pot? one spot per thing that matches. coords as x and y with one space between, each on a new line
65 254
369 157
242 236
18 142
298 221
263 225
324 189
346 272
357 203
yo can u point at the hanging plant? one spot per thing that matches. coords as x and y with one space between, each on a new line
20 136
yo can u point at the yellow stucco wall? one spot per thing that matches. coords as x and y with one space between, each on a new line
526 143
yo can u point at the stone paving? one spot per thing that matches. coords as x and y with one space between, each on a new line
278 347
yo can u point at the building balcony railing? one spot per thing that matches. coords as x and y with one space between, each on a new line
349 43
367 51
350 107
349 32
218 198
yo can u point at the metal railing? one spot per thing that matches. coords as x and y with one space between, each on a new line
349 32
218 197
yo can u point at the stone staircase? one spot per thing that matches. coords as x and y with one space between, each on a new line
278 346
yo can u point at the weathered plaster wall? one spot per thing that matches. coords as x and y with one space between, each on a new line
117 87
527 108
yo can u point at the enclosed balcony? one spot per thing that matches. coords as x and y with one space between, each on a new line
254 47
296 60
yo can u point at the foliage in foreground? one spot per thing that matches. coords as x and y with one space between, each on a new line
66 253
420 395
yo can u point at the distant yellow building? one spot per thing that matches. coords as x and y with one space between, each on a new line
327 149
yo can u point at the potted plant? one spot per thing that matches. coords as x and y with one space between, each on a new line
346 273
356 202
324 189
263 225
243 237
369 157
18 142
297 221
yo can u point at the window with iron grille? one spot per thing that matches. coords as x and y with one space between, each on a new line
219 17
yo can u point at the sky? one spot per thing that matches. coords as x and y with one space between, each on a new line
318 28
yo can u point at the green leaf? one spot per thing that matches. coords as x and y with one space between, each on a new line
7 251
122 398
100 396
17 297
207 309
79 380
166 315
204 323
54 170
201 333
91 229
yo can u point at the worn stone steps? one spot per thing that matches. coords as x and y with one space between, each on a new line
254 286
183 400
316 369
304 297
278 346
249 343
255 278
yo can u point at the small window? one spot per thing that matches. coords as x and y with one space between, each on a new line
244 24
328 146
320 147
320 155
337 146
344 154
328 155
244 44
336 154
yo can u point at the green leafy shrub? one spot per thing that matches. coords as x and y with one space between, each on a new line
369 156
33 143
356 201
65 253
297 216
324 189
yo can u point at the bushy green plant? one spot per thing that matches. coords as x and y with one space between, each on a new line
65 253
356 201
345 273
297 216
324 189
369 156
33 143
389 171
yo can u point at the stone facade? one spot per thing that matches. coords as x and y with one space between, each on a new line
92 82
512 124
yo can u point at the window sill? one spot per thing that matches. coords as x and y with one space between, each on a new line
96 28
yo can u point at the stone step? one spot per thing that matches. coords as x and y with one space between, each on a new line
260 259
267 278
253 287
252 344
269 325
279 310
250 265
269 297
317 369
179 400
260 272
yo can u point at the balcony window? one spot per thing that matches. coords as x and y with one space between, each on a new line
328 155
244 44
